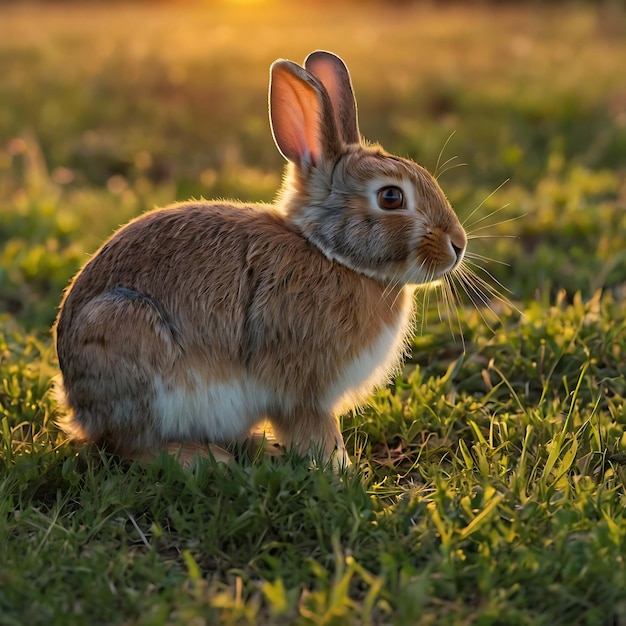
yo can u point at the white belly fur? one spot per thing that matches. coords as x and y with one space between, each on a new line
374 366
217 411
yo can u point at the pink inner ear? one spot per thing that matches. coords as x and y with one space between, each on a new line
295 117
333 74
328 77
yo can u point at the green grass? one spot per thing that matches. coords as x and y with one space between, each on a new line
491 483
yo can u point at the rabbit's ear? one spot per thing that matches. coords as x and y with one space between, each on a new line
301 116
333 74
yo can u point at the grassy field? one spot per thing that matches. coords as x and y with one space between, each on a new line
490 482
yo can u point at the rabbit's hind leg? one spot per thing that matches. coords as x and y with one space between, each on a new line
111 352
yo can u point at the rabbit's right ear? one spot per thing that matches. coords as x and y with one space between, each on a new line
332 72
301 115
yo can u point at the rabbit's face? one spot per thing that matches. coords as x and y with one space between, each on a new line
382 216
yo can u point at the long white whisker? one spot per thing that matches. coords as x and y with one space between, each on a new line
443 150
475 294
453 303
511 219
447 169
454 158
488 273
397 295
467 279
444 299
493 292
389 288
425 298
480 287
479 284
439 303
441 286
469 227
485 200
492 237
419 324
451 308
482 257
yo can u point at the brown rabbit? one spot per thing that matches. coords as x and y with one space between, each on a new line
193 323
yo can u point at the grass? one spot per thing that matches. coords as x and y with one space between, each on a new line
491 483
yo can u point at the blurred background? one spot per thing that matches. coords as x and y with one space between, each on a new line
110 108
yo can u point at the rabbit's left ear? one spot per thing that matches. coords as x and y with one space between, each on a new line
301 116
332 72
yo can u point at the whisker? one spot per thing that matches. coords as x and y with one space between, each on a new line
481 284
475 294
389 288
450 300
457 298
397 295
454 158
511 219
443 150
485 217
494 293
422 311
439 302
466 278
482 288
447 169
489 274
441 287
426 289
492 237
485 200
442 300
482 257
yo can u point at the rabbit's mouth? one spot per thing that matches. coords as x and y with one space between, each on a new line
439 253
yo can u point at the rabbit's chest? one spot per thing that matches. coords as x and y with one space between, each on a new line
373 365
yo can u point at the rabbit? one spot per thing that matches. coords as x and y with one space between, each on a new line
195 322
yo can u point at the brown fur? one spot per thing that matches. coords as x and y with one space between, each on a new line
195 322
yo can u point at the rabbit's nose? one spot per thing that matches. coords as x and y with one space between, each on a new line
458 239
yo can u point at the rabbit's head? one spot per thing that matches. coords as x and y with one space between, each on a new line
379 214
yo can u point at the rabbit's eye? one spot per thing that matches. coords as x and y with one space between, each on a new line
390 198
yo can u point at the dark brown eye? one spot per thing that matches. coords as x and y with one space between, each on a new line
390 198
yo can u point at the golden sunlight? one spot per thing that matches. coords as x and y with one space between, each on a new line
244 3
